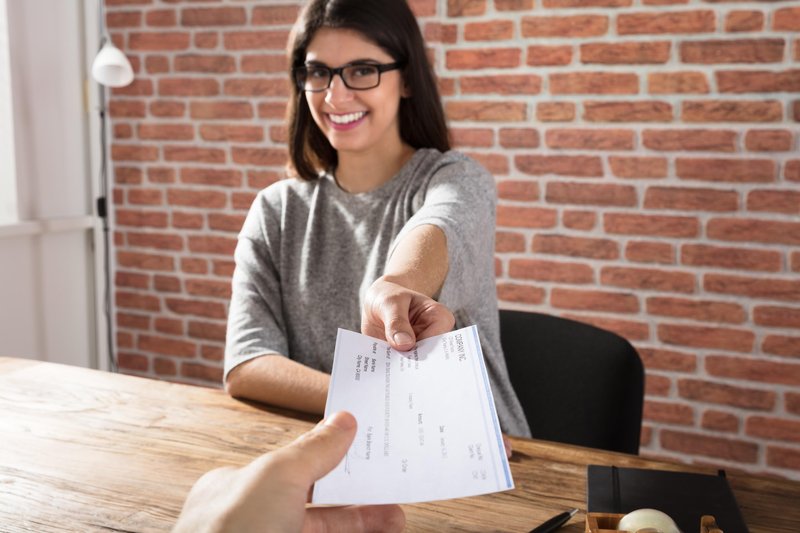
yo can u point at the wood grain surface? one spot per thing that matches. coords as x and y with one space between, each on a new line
83 450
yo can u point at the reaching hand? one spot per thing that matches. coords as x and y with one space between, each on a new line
270 493
402 316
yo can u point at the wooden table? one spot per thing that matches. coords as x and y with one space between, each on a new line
83 450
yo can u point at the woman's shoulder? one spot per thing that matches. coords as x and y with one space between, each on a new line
287 189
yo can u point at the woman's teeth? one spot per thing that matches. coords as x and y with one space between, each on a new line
348 118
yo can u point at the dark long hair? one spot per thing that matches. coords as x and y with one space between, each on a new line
391 25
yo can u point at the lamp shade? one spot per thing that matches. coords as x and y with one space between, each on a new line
111 68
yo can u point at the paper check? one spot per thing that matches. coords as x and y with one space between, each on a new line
427 424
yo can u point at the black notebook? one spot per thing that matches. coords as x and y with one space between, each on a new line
686 497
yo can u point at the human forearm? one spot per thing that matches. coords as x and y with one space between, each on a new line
280 381
420 262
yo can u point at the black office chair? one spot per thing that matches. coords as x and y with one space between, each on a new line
578 384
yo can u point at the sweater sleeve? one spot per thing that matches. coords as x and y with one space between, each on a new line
255 318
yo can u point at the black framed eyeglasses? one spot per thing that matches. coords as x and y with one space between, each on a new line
356 76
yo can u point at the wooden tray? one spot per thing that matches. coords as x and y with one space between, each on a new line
607 523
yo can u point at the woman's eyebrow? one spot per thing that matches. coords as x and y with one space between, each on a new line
360 61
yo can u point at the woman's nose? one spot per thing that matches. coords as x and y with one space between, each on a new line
337 91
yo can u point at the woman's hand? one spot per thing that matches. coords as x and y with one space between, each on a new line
402 316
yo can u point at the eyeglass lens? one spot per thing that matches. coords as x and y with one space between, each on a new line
318 78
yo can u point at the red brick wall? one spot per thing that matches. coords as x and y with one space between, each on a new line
647 168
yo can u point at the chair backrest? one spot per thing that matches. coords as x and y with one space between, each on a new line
577 383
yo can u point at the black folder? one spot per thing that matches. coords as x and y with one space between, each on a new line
684 496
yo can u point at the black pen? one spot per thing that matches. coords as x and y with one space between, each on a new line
554 523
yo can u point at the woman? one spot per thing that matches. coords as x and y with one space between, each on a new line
382 226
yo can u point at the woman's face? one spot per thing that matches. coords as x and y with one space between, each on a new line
357 121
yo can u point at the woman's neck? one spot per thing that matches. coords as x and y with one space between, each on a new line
363 172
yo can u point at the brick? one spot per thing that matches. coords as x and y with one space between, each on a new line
124 19
795 259
732 111
594 83
650 252
629 329
161 17
258 87
224 268
210 244
704 255
781 345
776 316
156 65
188 87
221 222
587 3
540 270
768 140
502 84
660 359
483 111
167 108
706 140
691 199
133 362
744 20
220 64
507 242
703 310
127 109
774 201
612 302
647 111
256 40
580 220
519 138
133 152
549 56
209 288
242 200
465 8
579 166
707 337
123 131
575 246
589 139
525 217
145 261
590 194
133 280
138 87
259 179
133 321
732 51
773 428
630 53
492 30
158 241
279 134
275 15
231 133
473 137
701 21
166 283
792 402
513 5
677 83
784 458
656 385
194 154
196 307
754 370
668 413
197 198
651 225
555 111
221 110
720 421
754 230
214 16
772 289
263 64
728 395
483 58
194 266
206 39
207 330
211 176
760 81
127 175
726 170
518 190
638 167
140 218
164 367
564 26
648 279
161 174
212 353
259 156
166 346
162 131
791 171
134 300
158 41
202 372
786 19
436 32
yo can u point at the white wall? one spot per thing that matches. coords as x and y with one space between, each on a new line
47 262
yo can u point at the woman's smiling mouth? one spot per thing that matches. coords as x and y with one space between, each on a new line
346 120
